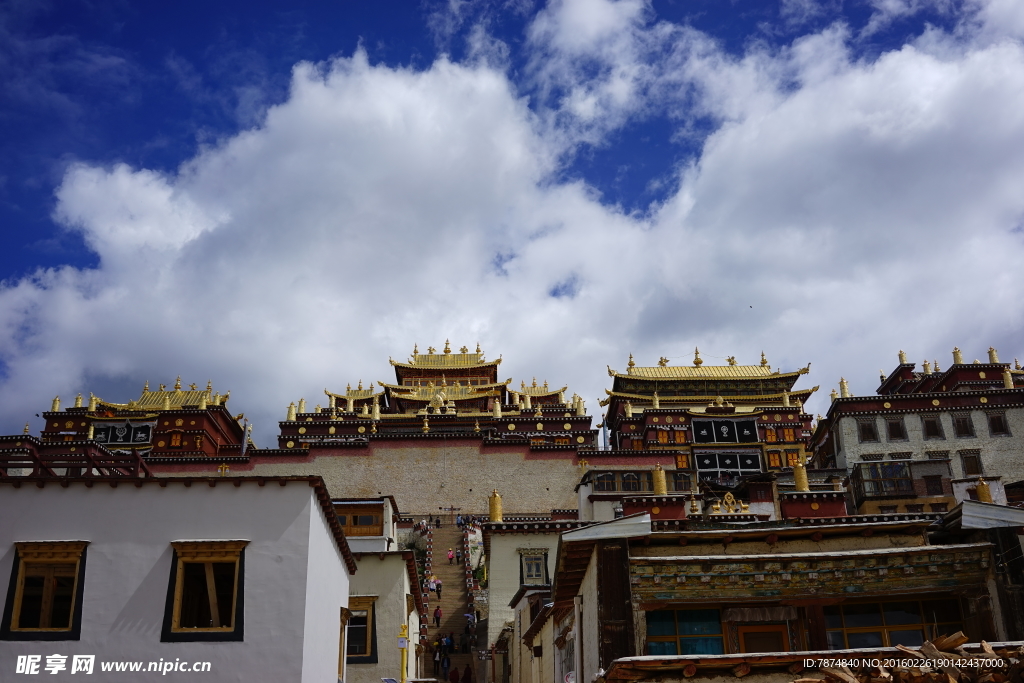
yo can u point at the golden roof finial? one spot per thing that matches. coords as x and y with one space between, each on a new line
78 401
167 402
360 385
464 349
1016 364
764 360
145 387
478 348
55 406
834 395
545 384
903 357
630 363
881 375
193 386
936 366
25 431
958 357
731 360
177 384
162 387
662 362
348 387
534 381
209 385
447 347
476 426
844 388
696 357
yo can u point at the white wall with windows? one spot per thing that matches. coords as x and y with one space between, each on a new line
254 582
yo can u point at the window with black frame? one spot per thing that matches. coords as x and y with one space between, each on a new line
891 623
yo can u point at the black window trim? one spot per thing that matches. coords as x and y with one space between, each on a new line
167 635
74 633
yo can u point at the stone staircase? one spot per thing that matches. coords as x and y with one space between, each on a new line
456 600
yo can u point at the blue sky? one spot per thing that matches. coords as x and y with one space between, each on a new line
278 196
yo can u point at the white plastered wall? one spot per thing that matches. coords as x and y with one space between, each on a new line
128 565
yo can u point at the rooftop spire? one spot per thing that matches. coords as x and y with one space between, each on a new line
958 357
447 347
903 357
177 384
764 361
630 363
696 357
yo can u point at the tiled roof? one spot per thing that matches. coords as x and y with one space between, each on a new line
705 372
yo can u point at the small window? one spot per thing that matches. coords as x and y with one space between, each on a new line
971 462
663 436
932 427
533 569
638 444
46 583
939 507
684 632
680 436
176 440
561 441
789 435
915 508
362 638
205 591
604 482
887 509
774 459
792 457
769 435
894 429
630 481
681 481
963 426
866 431
997 425
933 485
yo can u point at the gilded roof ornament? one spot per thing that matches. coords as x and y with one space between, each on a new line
662 362
881 375
1016 364
630 363
764 360
145 387
177 384
958 357
478 348
993 355
162 387
696 357
935 366
209 385
431 350
360 387
447 347
25 431
731 360
903 357
78 401
193 386
55 406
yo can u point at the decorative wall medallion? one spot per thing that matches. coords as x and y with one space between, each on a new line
815 506
983 399
654 419
540 426
580 439
361 429
632 426
981 374
331 430
567 426
511 427
69 424
791 417
655 510
290 444
777 417
179 422
935 401
887 405
160 444
192 422
302 430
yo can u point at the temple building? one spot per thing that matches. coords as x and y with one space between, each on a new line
721 425
439 438
930 438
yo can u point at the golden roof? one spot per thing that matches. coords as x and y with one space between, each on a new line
357 394
176 398
453 392
446 359
757 399
705 372
535 390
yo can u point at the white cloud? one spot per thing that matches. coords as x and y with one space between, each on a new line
841 210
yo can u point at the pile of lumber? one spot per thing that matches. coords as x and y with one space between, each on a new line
943 660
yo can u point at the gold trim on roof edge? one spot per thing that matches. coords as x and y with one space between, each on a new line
706 372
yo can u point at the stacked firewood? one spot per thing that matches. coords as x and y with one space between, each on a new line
943 660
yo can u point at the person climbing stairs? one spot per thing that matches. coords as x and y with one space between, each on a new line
455 599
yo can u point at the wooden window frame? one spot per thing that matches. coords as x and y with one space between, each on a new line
762 628
770 435
862 425
204 552
541 560
1006 424
929 629
775 459
895 424
975 456
970 432
937 421
789 434
69 553
677 637
364 603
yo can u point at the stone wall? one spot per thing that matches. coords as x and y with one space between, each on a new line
426 475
